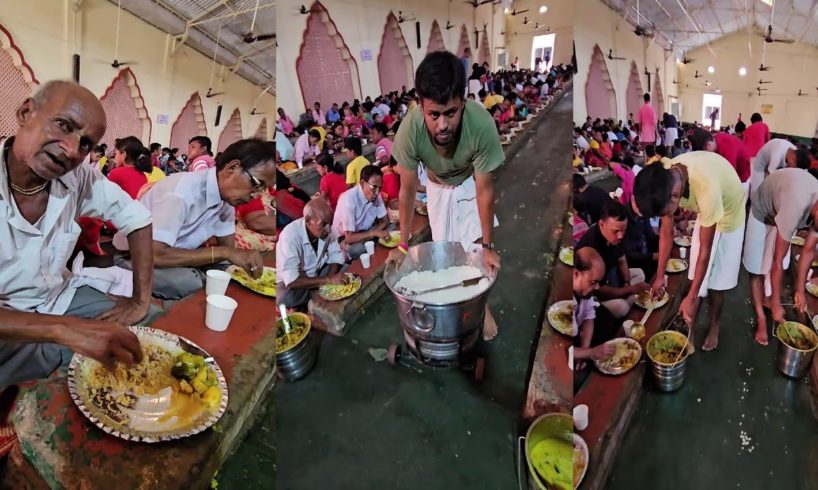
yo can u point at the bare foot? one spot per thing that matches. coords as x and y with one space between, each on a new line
490 327
761 332
712 339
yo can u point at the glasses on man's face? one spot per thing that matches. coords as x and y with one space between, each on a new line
258 185
374 188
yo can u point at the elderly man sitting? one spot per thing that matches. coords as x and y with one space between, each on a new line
360 215
47 191
191 207
307 256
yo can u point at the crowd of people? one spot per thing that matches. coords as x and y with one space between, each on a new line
739 194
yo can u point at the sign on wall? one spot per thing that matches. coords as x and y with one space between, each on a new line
162 119
366 55
766 108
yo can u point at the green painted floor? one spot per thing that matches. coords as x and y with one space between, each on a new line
735 423
360 424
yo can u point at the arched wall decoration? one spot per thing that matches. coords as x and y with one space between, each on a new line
261 132
485 52
394 61
326 70
17 82
463 43
634 95
231 132
189 123
435 39
658 97
600 97
125 110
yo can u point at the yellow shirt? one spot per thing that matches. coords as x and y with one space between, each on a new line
492 100
354 169
653 159
102 161
716 193
323 136
577 161
594 144
155 175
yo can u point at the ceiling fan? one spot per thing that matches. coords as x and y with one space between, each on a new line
769 37
639 30
759 89
612 57
696 75
516 12
525 20
477 3
685 60
764 68
762 82
304 10
116 63
250 37
800 93
254 113
449 25
210 93
402 19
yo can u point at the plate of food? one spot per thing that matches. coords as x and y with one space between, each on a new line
812 289
580 459
561 317
627 353
797 240
814 260
300 325
797 336
176 391
393 241
675 265
265 285
336 292
643 300
682 241
667 348
422 210
567 256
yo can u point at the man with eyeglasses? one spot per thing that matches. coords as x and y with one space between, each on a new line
189 208
360 215
457 143
786 201
307 256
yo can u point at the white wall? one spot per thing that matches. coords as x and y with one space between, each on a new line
558 19
595 23
48 32
795 66
361 24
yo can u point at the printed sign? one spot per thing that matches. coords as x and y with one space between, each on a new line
766 108
162 119
366 55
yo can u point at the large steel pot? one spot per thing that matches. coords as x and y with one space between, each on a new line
439 334
791 361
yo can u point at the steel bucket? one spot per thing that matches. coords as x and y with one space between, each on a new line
297 361
439 333
668 376
549 425
794 362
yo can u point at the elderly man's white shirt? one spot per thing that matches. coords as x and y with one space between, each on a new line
295 255
355 213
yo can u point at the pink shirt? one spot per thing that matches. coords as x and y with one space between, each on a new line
734 151
627 177
202 162
286 125
304 150
384 148
647 124
755 136
318 117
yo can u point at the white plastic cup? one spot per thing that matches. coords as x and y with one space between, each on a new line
365 261
581 417
370 247
216 282
219 311
682 253
571 358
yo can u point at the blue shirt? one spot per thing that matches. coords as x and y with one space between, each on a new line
284 147
333 116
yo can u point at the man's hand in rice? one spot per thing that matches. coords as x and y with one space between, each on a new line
104 341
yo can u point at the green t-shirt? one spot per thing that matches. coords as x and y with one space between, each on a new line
479 147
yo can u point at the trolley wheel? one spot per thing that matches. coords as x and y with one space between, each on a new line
480 369
393 353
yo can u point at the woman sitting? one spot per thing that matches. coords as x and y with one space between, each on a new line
133 162
256 223
333 180
290 201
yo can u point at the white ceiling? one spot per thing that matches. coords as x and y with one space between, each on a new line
688 24
198 24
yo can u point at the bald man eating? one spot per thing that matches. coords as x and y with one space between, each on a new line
307 256
44 190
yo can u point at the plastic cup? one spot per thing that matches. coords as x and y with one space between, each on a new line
216 282
682 253
571 358
365 261
370 247
581 417
219 311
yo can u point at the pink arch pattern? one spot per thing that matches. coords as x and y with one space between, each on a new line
326 70
600 97
485 52
657 98
394 60
463 43
125 110
634 94
231 132
436 39
190 123
17 82
261 132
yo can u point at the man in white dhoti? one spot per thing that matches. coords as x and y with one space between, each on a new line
457 142
705 183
